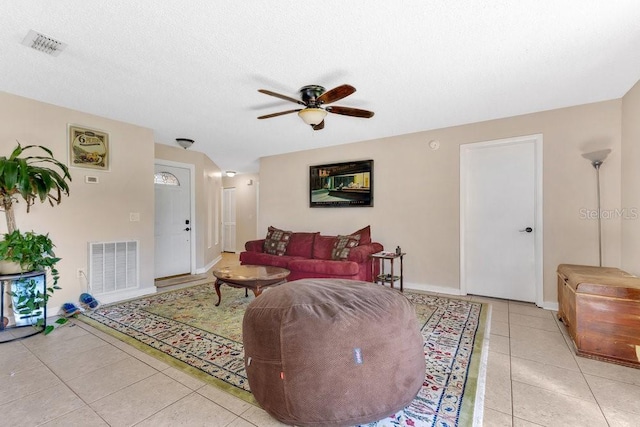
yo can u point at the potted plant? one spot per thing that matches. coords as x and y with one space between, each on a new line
30 178
30 251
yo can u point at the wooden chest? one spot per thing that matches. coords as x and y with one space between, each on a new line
601 308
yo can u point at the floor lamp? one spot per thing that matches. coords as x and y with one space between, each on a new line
597 159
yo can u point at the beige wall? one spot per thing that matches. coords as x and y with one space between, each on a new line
246 186
631 180
417 192
100 212
208 184
93 212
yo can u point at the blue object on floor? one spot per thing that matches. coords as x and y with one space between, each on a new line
89 301
70 309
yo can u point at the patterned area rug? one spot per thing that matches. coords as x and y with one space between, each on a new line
184 328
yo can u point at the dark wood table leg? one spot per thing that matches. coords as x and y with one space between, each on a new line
217 286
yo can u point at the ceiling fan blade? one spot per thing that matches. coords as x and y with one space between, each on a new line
319 126
281 113
336 94
348 111
277 95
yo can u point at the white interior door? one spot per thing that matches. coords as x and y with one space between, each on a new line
172 221
229 220
500 218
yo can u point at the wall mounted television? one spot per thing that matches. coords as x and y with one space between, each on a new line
344 184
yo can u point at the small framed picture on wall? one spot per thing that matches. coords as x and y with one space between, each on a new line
88 148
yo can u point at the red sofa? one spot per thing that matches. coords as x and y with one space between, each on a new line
309 255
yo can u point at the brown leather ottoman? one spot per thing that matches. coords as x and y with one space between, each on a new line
329 352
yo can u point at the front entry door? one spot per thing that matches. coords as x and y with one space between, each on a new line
500 219
172 221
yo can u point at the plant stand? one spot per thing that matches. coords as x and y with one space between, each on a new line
19 320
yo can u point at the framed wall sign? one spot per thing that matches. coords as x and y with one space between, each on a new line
341 184
88 148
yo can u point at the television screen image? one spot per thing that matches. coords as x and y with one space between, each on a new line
341 184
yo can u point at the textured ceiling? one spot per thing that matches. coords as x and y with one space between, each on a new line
192 68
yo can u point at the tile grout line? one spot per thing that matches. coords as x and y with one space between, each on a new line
63 382
163 372
88 404
169 405
569 343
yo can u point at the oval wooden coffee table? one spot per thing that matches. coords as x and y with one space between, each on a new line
254 277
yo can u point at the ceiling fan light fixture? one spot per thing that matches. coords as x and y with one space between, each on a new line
312 116
313 97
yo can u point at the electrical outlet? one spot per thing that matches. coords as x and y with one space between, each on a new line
80 273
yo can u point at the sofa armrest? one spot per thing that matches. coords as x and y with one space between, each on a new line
255 245
361 253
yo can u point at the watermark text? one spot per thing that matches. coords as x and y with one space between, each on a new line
624 213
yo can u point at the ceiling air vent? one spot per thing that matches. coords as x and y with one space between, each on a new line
43 43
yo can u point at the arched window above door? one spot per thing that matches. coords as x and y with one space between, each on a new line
165 178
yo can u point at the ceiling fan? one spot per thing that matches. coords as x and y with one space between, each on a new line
313 97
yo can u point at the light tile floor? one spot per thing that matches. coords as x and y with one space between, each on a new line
79 376
534 377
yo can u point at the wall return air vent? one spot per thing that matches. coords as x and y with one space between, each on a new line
113 267
43 43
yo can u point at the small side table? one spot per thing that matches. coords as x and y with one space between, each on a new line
390 278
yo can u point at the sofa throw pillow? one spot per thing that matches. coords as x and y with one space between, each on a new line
343 246
276 241
365 235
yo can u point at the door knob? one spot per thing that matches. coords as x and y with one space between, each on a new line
526 230
187 229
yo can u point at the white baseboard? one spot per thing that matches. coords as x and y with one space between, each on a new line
108 299
53 311
125 295
208 266
424 287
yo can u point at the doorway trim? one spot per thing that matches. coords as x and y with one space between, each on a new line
538 222
192 207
